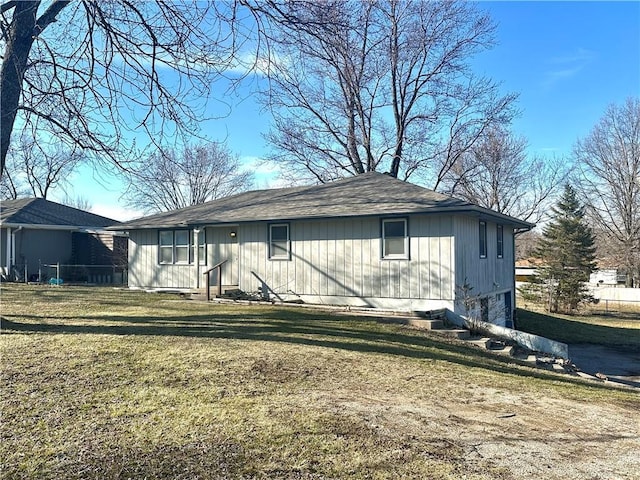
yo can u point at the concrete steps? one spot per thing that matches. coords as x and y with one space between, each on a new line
200 294
433 321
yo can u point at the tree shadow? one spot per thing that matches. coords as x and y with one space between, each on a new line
282 326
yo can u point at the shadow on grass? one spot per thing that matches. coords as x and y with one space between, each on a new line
576 331
291 327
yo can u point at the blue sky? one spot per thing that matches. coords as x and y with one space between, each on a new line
567 60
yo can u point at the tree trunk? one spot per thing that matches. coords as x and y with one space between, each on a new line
20 38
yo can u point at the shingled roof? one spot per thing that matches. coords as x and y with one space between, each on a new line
369 194
45 213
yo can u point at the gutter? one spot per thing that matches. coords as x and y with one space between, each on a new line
69 228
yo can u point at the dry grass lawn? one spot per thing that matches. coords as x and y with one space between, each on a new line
100 383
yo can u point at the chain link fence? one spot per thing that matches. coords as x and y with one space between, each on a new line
59 274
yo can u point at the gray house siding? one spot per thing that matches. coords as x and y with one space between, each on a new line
341 260
331 261
145 269
490 278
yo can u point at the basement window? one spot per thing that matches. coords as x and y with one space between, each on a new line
395 238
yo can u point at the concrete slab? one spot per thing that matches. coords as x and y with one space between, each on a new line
616 364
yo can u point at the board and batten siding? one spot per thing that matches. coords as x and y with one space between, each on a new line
488 274
489 277
144 269
221 246
340 261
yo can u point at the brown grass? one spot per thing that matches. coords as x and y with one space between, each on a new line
101 383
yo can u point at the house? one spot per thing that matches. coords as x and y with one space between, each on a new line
35 232
370 240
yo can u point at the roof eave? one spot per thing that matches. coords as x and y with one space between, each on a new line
69 228
471 209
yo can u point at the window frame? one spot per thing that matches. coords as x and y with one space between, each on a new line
394 256
182 247
270 244
500 241
189 247
482 238
202 237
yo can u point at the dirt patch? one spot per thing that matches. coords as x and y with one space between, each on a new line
533 438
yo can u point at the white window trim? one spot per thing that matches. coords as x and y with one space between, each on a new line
500 241
396 256
190 247
285 256
182 246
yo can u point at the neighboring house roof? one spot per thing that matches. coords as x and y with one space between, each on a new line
41 213
368 194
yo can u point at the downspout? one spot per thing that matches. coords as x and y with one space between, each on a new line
13 246
513 289
8 252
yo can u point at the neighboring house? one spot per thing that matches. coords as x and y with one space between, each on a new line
36 232
527 268
369 240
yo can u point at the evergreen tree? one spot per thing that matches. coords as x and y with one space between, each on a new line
568 251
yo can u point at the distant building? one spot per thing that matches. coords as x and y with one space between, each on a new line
36 232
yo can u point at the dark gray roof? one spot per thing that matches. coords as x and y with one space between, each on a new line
38 211
369 194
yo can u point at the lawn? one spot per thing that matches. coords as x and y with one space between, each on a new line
613 331
102 383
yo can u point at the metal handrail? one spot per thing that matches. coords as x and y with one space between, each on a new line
207 273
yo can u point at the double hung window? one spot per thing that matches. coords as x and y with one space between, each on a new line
395 238
176 247
279 245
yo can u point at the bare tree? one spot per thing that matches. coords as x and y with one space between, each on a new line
379 85
609 168
90 71
526 244
38 168
173 179
498 174
79 201
10 187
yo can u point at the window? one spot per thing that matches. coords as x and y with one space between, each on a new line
176 247
181 246
483 239
166 246
500 241
395 240
279 241
202 248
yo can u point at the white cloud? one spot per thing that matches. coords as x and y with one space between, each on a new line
266 173
567 66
